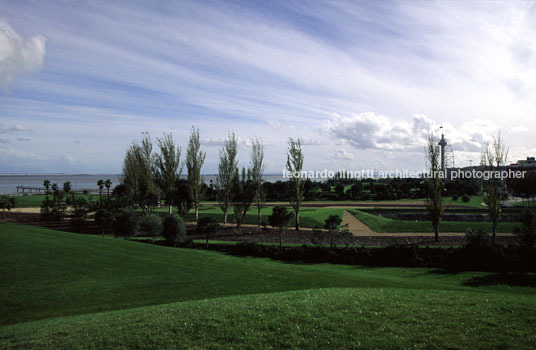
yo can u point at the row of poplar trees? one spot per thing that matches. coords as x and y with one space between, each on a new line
150 176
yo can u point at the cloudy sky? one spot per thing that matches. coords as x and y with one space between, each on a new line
359 82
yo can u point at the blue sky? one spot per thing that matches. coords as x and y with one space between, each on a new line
359 82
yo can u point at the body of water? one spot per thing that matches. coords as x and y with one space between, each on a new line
9 183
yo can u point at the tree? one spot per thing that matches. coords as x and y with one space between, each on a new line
108 184
194 162
182 197
294 167
7 203
527 231
167 167
152 225
104 219
227 168
208 226
100 183
46 184
280 218
494 189
332 224
173 229
126 223
138 173
67 187
243 193
257 169
434 198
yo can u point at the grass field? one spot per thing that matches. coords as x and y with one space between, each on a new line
309 217
35 200
381 224
63 290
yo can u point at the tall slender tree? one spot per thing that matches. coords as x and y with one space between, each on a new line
434 198
194 162
296 183
257 169
100 183
46 183
494 189
168 167
226 171
137 175
108 184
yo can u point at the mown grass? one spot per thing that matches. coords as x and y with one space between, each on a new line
386 225
312 319
76 291
309 217
35 200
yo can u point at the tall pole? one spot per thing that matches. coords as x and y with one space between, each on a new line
442 143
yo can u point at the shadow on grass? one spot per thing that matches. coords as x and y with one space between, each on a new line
509 279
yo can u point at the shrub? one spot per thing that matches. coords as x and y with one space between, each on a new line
455 197
126 223
527 231
209 226
466 198
476 238
151 224
104 219
174 229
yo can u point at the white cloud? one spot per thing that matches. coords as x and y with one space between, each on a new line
17 55
22 139
373 131
14 128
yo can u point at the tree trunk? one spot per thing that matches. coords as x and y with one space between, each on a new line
280 239
225 216
170 209
196 213
259 209
297 219
494 229
206 245
436 232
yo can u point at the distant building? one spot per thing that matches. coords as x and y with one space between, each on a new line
529 162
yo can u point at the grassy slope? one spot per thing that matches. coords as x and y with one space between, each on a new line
381 224
46 274
309 217
313 319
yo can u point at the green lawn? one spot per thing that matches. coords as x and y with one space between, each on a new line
309 217
381 224
64 290
35 200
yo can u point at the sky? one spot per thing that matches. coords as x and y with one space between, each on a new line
360 83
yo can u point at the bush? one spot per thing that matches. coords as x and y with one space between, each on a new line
527 231
174 229
455 197
151 224
126 224
208 226
476 239
466 198
104 219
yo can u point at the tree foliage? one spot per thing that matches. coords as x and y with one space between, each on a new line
294 167
167 167
194 162
257 170
227 170
434 197
280 218
494 189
